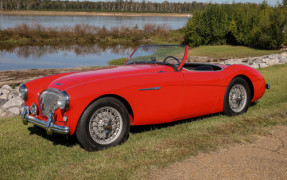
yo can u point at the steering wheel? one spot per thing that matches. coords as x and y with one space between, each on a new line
171 57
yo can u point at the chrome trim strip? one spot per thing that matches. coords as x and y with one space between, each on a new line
147 89
49 125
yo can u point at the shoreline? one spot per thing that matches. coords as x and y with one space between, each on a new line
78 13
16 77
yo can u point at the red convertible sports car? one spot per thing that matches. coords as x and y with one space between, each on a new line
155 85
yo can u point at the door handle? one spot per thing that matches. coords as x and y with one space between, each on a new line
147 89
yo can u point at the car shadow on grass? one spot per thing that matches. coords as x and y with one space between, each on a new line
57 139
70 141
145 128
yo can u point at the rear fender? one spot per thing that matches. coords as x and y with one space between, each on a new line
257 80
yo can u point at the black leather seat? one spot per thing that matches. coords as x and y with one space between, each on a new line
204 68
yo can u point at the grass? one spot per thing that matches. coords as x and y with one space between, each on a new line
83 33
28 153
119 61
227 51
175 37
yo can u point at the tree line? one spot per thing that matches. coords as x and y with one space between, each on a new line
253 25
103 6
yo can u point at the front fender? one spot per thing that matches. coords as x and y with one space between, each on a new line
39 85
83 95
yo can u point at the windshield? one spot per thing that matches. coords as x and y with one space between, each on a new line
171 55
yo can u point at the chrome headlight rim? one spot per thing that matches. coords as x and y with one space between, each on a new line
64 103
23 91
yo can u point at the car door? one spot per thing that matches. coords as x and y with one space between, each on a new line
155 98
201 93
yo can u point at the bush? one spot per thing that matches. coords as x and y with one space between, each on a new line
258 26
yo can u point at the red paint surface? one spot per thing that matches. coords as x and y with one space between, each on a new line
182 94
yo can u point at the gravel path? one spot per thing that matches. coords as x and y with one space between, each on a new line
265 159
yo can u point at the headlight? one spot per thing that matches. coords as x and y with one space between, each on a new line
23 92
34 109
64 101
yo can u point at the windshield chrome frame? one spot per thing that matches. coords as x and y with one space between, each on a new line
178 68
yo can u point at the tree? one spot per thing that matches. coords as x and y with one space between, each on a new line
258 26
109 5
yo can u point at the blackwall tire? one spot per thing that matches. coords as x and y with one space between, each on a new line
105 123
237 97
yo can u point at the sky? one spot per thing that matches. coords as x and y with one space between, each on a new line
270 2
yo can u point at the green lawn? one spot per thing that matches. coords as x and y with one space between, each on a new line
227 51
28 153
119 61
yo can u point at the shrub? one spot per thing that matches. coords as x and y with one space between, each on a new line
258 26
81 32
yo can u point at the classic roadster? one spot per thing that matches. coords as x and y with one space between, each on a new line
155 85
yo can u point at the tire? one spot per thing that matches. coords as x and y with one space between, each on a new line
105 123
237 97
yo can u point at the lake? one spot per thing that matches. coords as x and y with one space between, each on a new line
61 56
100 21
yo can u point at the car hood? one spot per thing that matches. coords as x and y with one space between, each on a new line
77 78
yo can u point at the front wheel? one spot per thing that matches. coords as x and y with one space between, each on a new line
105 123
237 97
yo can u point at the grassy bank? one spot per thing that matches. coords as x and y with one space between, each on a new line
79 13
117 62
221 51
27 152
84 33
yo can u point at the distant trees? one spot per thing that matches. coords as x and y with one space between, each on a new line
104 6
258 26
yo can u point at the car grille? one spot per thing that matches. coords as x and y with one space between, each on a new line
49 101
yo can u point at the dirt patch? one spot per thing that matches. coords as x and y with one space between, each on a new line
265 159
17 77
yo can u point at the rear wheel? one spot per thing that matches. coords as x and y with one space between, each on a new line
237 97
105 123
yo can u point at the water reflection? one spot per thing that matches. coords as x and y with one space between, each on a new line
60 56
37 51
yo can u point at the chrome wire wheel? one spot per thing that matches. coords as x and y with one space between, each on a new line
237 98
105 125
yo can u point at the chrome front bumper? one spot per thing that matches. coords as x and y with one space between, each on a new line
48 125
